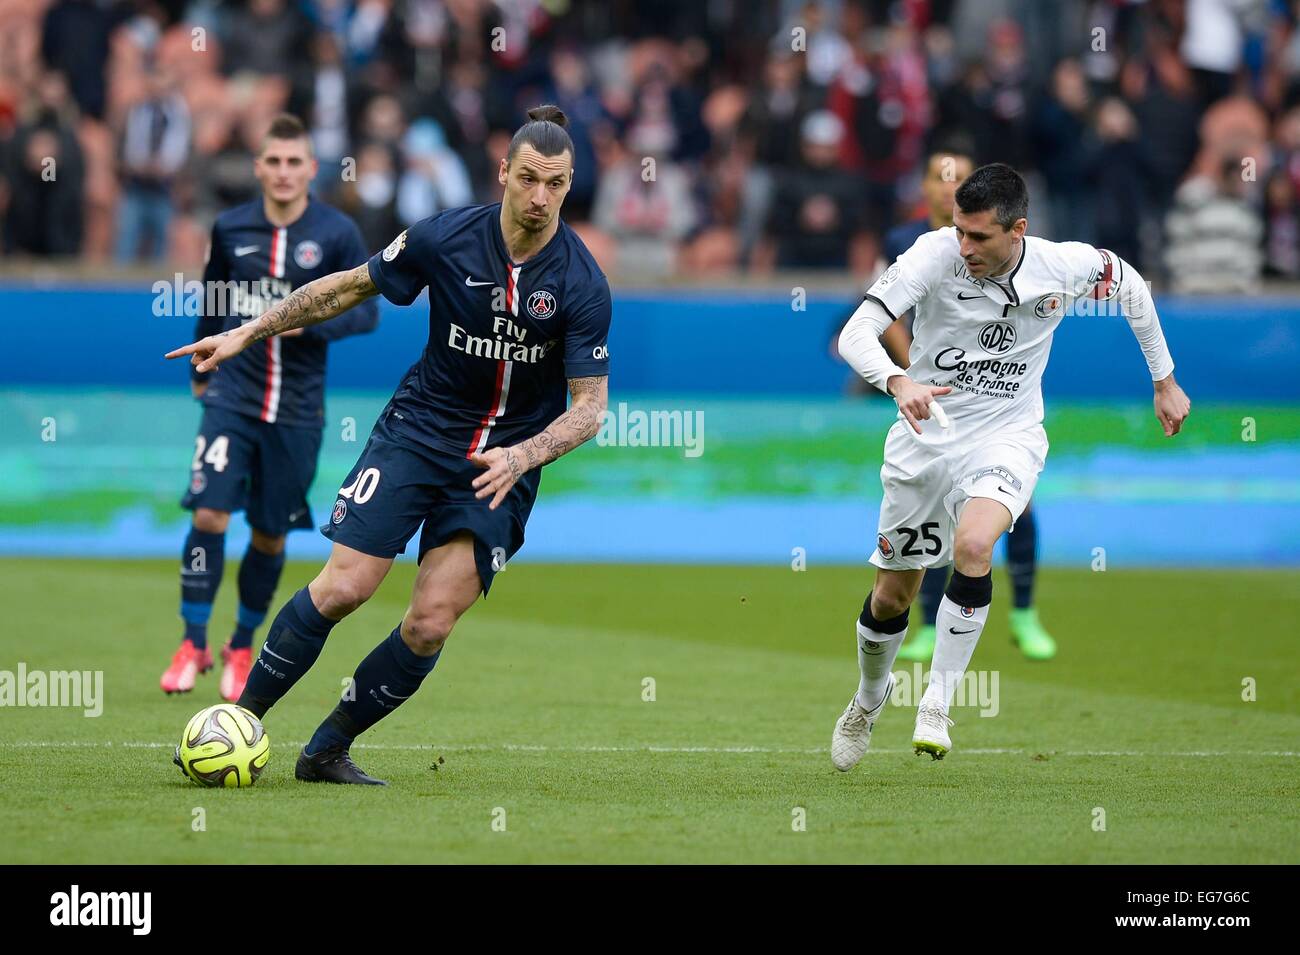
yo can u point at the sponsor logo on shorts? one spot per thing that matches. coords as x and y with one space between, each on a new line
967 612
340 511
198 481
307 254
886 548
541 304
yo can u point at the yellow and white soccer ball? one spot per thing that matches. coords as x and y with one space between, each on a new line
224 745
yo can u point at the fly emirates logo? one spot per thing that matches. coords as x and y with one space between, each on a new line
506 343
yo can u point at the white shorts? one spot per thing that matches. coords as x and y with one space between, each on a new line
927 485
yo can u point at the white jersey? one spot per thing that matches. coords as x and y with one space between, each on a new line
989 339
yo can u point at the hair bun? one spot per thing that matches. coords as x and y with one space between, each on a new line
549 114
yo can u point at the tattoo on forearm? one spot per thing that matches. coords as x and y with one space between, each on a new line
315 302
578 424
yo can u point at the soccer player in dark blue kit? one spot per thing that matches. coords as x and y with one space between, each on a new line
517 309
263 414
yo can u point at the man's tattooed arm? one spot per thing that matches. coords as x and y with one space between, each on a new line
316 302
578 424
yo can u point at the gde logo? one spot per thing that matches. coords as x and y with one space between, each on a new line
997 337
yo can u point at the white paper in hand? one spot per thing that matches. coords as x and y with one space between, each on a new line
939 414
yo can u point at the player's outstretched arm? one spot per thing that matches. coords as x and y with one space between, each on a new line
315 302
579 423
1172 405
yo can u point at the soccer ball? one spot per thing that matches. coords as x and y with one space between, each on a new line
224 745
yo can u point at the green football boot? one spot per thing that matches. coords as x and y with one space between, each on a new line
1028 634
920 647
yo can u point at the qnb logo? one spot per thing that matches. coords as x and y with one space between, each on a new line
997 337
600 352
75 908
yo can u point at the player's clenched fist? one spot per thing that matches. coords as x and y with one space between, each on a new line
1172 406
916 401
206 354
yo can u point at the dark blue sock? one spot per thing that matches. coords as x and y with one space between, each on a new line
259 575
1022 559
293 643
202 562
385 679
932 585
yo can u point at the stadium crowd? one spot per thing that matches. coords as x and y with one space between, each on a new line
711 137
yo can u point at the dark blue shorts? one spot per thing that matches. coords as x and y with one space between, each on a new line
398 484
243 464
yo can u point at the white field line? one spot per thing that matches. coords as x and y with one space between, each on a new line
434 748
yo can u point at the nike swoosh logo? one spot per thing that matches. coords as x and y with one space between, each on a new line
297 514
245 249
471 282
1003 490
384 688
971 630
964 298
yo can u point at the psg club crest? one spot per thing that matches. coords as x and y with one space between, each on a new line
340 511
198 482
886 548
395 247
541 304
968 611
307 254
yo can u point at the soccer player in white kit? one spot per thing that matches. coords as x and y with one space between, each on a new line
960 470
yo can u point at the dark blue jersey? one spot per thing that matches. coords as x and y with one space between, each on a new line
281 379
502 337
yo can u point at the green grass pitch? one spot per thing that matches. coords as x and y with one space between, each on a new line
535 716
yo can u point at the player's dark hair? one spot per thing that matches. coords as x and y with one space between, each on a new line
286 126
545 131
956 145
998 187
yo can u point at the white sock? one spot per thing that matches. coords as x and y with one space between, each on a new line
876 654
955 636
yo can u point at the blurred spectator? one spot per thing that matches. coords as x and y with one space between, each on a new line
1282 228
74 42
155 145
1116 173
777 108
644 204
371 200
1215 235
572 90
1059 133
42 178
1164 104
266 38
818 209
434 178
323 98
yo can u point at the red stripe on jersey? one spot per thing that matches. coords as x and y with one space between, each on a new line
480 436
510 289
270 377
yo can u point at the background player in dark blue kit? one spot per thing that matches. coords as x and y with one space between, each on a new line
517 307
264 410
